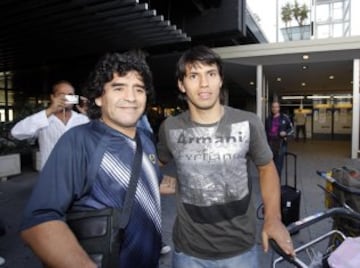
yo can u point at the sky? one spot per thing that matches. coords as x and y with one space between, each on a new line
266 11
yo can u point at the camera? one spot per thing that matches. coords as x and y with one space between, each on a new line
72 99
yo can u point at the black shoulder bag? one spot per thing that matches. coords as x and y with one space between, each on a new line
101 232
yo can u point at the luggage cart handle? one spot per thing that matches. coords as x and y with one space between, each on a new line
312 219
275 246
338 185
306 222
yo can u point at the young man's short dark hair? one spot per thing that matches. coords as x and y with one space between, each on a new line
196 54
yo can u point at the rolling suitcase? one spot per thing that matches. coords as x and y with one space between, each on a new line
290 195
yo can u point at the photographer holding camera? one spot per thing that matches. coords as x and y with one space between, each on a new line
48 125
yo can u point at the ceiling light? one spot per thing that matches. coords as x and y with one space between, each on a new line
318 97
278 79
305 57
303 84
331 77
305 67
252 83
343 97
292 97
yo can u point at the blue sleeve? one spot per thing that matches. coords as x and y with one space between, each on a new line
62 180
289 127
150 150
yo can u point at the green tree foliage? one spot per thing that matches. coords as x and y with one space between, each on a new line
286 14
300 13
290 12
294 11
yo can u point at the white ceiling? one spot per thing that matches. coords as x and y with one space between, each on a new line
326 57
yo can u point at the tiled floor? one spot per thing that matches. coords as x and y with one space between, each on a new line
312 155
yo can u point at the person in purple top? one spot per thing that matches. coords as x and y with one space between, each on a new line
278 128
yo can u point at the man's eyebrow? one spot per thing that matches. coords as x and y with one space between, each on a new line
212 70
208 71
118 84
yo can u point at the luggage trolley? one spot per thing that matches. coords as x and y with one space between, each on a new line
343 212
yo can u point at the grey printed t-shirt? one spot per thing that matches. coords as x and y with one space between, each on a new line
215 215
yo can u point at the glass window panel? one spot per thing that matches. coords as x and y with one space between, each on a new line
338 30
9 84
2 83
2 115
346 29
338 12
322 13
323 31
2 97
11 97
11 114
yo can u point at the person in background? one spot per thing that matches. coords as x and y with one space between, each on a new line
50 124
118 91
278 128
211 144
300 124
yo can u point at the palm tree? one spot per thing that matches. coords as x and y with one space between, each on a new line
286 17
297 12
300 13
304 13
286 14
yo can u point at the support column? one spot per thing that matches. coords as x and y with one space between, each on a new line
356 110
266 100
6 97
259 91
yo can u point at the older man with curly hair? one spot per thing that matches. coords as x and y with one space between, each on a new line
118 91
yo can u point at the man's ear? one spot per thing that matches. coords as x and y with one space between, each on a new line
181 86
98 101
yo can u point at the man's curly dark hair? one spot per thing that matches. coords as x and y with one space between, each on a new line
116 63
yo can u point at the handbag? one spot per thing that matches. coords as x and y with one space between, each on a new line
100 232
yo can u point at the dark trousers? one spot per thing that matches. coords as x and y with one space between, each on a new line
303 131
2 228
279 158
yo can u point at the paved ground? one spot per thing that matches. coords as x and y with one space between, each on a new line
312 155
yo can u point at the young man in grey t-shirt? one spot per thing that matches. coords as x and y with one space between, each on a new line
211 144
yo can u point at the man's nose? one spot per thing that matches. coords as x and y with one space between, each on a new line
204 82
130 94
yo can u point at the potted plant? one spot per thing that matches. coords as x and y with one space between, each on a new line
298 13
286 17
10 163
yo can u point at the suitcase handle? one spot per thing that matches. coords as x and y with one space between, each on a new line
295 168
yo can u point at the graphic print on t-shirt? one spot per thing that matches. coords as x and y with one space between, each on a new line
212 168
